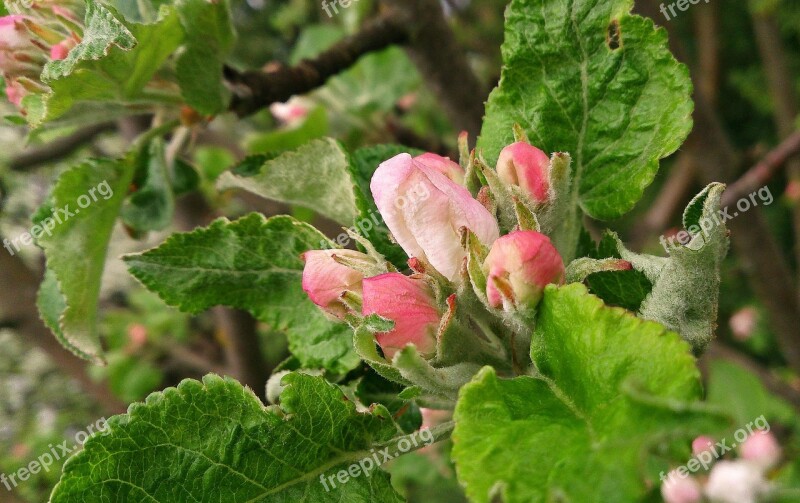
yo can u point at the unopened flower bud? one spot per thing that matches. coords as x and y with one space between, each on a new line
428 228
702 444
526 166
743 323
15 43
61 49
761 448
326 281
410 304
735 482
681 489
15 92
519 266
443 165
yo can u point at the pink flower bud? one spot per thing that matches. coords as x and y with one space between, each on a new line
429 228
519 266
443 165
15 40
528 167
762 449
743 323
325 280
61 49
290 113
410 304
15 92
735 482
680 489
702 444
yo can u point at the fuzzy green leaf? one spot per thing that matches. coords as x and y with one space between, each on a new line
315 176
612 390
86 199
214 441
152 205
252 264
588 78
685 292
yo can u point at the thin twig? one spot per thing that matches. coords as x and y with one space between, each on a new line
59 148
761 173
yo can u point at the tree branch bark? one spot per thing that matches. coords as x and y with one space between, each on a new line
18 301
254 90
59 148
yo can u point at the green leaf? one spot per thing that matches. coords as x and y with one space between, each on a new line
113 63
214 441
209 38
314 126
685 293
588 78
315 176
617 288
612 390
86 201
252 264
152 205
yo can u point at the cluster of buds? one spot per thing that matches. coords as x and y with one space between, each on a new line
740 480
46 32
441 233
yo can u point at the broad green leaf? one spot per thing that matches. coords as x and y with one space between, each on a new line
214 441
113 63
315 176
152 205
611 391
588 78
685 292
85 203
209 38
617 288
252 264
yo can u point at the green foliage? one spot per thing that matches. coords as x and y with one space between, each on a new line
608 389
252 264
587 78
76 249
215 441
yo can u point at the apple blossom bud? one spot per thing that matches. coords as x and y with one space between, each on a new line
743 323
61 49
519 266
326 281
528 167
735 482
15 92
409 303
15 42
762 449
429 228
702 444
679 489
443 165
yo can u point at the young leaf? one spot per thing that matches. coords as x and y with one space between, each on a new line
151 206
113 63
252 264
588 78
315 176
214 441
685 292
209 37
611 388
85 203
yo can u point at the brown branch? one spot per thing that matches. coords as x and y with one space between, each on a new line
442 62
761 173
773 383
18 301
254 90
242 348
59 148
